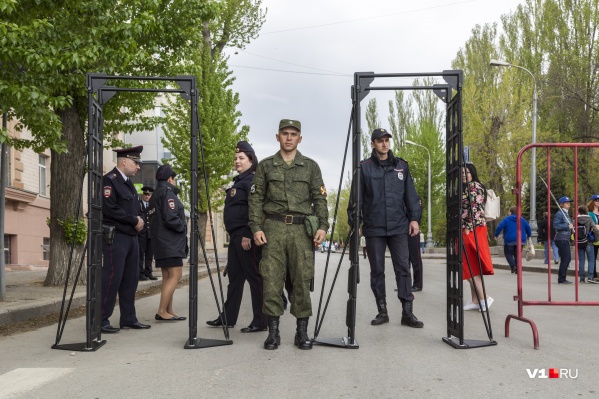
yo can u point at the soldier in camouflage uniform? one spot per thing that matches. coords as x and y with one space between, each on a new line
287 188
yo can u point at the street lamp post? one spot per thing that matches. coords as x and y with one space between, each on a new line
429 239
533 166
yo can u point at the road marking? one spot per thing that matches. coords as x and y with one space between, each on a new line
23 380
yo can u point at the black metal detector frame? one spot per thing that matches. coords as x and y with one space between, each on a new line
360 89
98 96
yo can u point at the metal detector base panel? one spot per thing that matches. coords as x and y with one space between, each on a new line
199 343
82 347
468 343
338 342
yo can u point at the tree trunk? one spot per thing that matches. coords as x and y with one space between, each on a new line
66 171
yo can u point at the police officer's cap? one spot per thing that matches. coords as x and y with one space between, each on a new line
165 172
147 190
244 146
290 123
133 153
378 133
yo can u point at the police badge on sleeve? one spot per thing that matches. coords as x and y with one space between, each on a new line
171 204
107 191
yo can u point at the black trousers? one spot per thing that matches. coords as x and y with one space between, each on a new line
145 256
120 275
415 259
398 246
242 266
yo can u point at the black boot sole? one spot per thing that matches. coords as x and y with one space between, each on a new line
408 322
378 322
271 347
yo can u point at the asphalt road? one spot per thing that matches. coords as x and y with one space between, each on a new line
392 360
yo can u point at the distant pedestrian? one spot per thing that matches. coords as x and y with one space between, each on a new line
547 238
586 230
146 255
422 242
363 245
593 206
510 237
563 231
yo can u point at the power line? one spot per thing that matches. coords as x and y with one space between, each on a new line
290 63
297 72
367 18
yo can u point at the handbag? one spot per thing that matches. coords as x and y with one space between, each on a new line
530 249
492 208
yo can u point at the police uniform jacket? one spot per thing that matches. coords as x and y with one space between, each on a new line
120 206
168 227
281 189
143 212
389 198
236 213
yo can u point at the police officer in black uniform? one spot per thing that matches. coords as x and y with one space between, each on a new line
144 236
243 256
390 212
120 208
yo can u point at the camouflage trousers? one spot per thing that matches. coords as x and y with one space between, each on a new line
287 245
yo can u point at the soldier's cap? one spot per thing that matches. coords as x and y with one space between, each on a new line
594 197
564 199
243 146
147 190
133 153
378 133
290 123
165 172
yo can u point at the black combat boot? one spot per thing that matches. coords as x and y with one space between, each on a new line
274 339
382 317
408 318
301 334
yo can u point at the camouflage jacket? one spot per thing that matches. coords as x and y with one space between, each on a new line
281 189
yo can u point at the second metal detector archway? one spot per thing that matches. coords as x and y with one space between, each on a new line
454 161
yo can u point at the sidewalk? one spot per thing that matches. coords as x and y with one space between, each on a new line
27 298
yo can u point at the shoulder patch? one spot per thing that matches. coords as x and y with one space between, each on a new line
112 176
107 191
253 189
323 190
171 203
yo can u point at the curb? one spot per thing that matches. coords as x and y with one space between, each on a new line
52 306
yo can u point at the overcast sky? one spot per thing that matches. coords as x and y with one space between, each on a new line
322 43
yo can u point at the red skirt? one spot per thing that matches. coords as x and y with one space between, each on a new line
471 254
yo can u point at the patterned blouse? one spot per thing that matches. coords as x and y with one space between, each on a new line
476 192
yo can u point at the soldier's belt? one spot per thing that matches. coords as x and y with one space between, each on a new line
287 219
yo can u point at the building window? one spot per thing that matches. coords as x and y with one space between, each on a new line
7 253
46 248
43 176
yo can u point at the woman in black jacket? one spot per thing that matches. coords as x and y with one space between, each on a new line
243 256
168 229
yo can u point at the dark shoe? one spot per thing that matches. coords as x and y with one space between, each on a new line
251 329
416 289
274 339
136 326
158 317
180 318
151 277
302 340
564 282
108 329
408 318
217 323
142 278
382 316
513 270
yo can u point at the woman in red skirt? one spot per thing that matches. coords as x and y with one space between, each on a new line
476 255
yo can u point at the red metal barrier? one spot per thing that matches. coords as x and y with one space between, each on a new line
517 191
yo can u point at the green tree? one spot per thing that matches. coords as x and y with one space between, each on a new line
45 50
